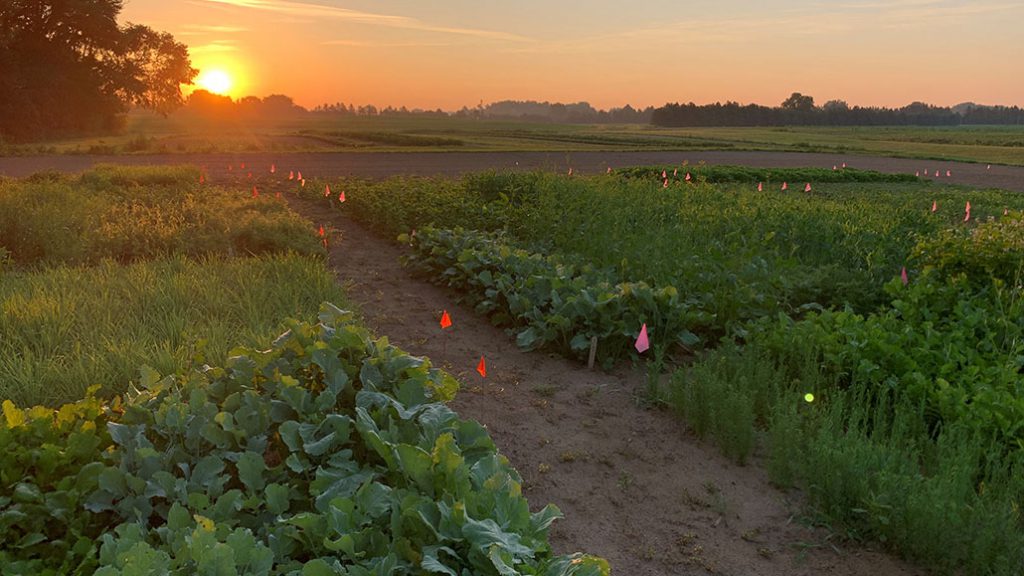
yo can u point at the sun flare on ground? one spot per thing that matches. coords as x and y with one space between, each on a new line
215 80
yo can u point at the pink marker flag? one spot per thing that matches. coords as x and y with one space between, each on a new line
675 172
570 171
760 186
341 197
935 205
917 174
844 165
688 177
1006 211
202 178
834 168
664 175
642 344
273 168
665 183
948 173
967 212
785 186
230 167
242 165
807 188
989 167
903 276
327 190
249 175
255 192
291 175
298 176
277 194
609 170
936 173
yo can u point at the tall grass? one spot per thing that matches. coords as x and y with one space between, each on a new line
130 213
64 329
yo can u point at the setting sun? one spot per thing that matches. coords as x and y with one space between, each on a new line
214 80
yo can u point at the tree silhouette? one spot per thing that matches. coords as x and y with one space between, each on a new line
67 67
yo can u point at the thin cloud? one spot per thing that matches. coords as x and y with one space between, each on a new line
304 9
203 29
363 44
213 47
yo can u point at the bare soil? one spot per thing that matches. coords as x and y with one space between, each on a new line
383 164
636 487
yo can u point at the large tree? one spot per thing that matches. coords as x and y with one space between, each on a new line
67 67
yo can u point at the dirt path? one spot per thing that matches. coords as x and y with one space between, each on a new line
382 164
636 488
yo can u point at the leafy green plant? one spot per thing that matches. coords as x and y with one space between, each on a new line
551 301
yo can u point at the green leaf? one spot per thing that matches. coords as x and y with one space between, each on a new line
277 498
250 471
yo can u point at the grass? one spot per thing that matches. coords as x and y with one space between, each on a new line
147 134
105 272
132 213
67 328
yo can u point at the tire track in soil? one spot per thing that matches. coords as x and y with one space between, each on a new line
635 486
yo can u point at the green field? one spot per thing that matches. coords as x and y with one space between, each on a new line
782 320
188 423
153 134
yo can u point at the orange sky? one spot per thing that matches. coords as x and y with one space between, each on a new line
452 53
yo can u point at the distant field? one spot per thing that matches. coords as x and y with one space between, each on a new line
152 134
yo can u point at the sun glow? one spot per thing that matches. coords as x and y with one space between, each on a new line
215 80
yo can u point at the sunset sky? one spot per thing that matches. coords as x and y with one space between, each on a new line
452 53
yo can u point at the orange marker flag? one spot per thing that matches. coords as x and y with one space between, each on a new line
446 320
243 166
202 178
642 344
249 175
807 188
903 276
760 186
299 176
230 167
322 234
482 367
967 212
255 192
341 197
785 186
303 183
688 177
277 194
935 205
327 190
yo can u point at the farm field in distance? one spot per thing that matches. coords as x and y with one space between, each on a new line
149 134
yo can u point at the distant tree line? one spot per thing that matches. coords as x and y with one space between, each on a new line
529 110
800 110
68 68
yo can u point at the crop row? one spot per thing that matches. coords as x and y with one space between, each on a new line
329 454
